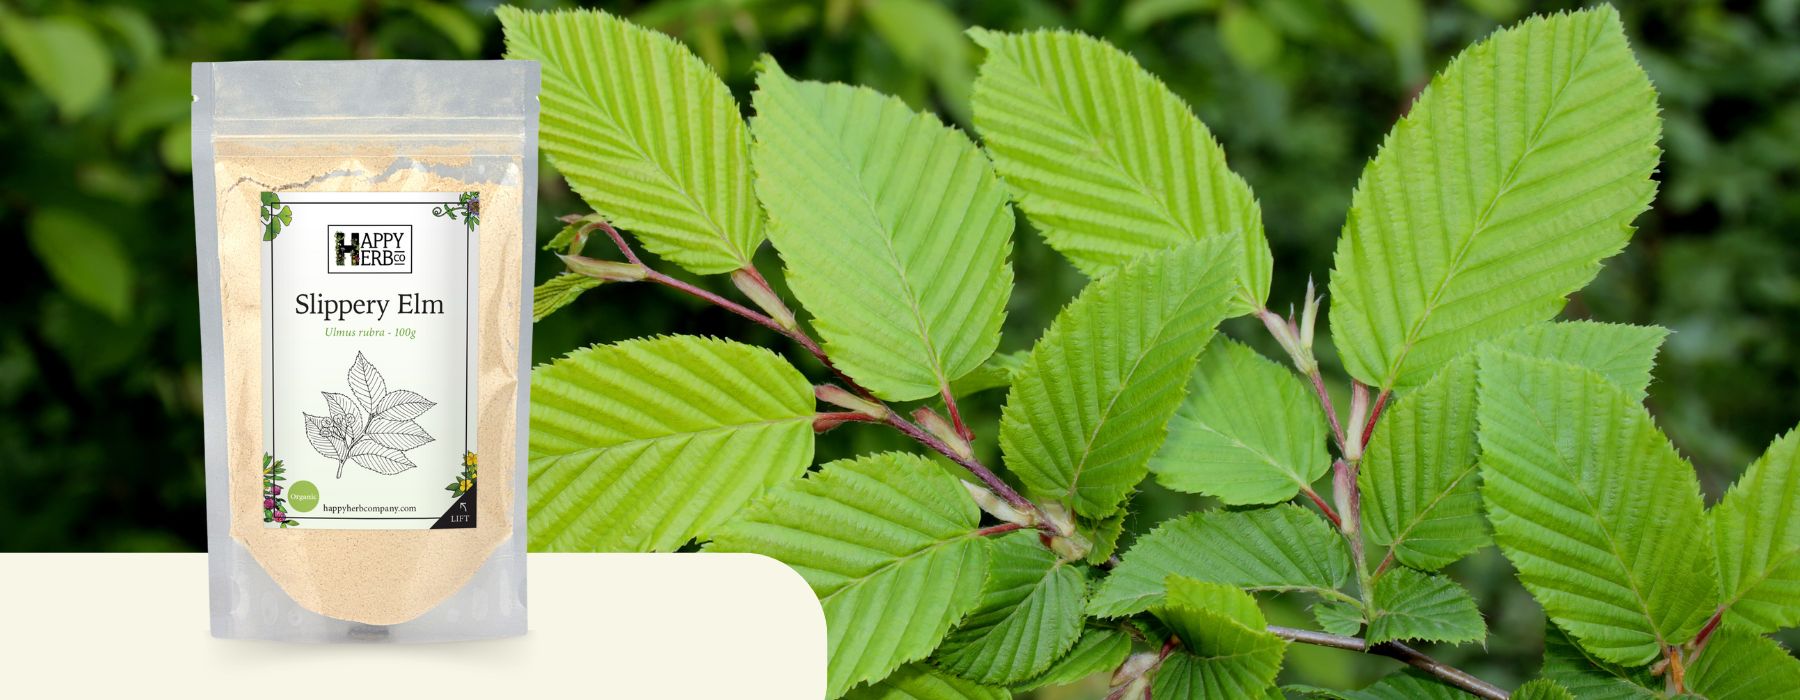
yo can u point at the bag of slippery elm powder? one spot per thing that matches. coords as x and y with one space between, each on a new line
365 260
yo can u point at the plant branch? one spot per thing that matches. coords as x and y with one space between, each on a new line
1451 675
956 416
999 529
1324 507
987 476
752 315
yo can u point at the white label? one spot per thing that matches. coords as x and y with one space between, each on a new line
369 339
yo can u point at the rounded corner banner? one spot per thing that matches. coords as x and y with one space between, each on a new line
369 342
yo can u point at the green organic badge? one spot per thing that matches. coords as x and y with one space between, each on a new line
303 496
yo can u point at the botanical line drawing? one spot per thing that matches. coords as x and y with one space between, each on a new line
372 426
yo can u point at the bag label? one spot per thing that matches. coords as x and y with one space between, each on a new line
369 341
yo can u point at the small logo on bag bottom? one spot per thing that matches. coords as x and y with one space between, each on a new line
368 249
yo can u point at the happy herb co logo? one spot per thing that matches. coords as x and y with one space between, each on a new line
368 249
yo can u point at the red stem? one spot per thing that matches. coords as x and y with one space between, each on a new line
998 529
1323 507
1368 429
956 416
987 476
754 316
1337 429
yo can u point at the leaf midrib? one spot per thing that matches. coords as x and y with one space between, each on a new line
1405 534
934 547
913 300
631 140
1507 183
1612 543
594 452
1107 414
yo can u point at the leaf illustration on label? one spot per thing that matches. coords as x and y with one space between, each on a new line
402 405
366 383
317 429
382 460
397 434
375 429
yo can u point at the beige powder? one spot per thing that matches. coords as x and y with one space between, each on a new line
379 577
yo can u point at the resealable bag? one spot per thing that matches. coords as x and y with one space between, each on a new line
364 252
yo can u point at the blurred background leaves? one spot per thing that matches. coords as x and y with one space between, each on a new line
100 445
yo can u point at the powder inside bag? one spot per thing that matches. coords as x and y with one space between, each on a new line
372 576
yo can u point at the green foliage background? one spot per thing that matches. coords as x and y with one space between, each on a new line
100 435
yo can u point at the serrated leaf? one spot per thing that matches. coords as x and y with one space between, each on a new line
1409 684
1515 173
1106 161
1091 405
559 291
1248 432
1738 665
1542 689
1226 650
1601 517
366 383
1418 606
1756 530
396 434
1281 548
1099 650
894 229
401 404
996 373
921 682
378 458
1338 617
1419 479
1591 678
1622 353
1029 615
344 410
645 444
645 132
1103 535
882 538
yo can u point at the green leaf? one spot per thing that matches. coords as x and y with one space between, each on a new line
1757 535
1090 406
1281 548
1542 689
1030 614
558 292
1250 40
1100 650
1624 354
894 229
1419 478
1425 607
645 444
1738 665
996 373
1593 679
1514 174
887 542
85 259
1226 649
1249 431
1601 517
1103 534
920 682
645 132
1106 161
63 56
1338 617
1409 684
